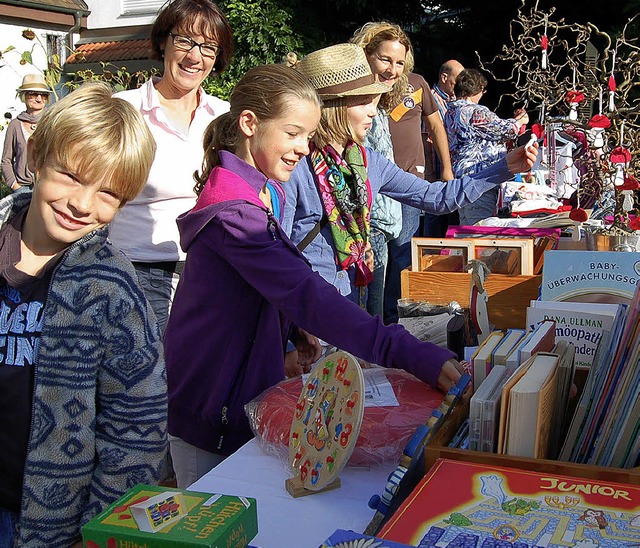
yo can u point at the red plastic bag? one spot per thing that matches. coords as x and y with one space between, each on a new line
384 432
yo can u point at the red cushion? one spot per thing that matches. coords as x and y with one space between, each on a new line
384 432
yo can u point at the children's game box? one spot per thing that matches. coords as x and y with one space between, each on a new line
465 504
157 517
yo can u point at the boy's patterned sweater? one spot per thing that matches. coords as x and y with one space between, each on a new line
100 398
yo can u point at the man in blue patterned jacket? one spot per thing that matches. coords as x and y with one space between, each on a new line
82 379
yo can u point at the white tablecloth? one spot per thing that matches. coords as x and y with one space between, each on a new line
287 522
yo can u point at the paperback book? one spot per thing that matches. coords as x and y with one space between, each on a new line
583 324
530 408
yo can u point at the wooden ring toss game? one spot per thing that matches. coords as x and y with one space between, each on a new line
326 424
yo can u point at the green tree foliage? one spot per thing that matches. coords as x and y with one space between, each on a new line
262 34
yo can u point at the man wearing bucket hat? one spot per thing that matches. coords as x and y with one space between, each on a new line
34 93
330 192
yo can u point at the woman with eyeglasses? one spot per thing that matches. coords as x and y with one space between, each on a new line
193 39
477 139
34 93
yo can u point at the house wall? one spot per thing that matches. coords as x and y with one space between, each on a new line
122 13
11 71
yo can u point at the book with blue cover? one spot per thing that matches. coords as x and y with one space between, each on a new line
589 276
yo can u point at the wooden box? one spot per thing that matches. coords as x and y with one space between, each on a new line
509 296
437 448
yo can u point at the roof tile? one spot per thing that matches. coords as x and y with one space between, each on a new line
124 50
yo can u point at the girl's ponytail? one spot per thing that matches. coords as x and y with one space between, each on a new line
219 135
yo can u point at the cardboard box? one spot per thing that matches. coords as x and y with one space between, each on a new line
461 503
173 518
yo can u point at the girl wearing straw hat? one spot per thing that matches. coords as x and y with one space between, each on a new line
34 93
329 194
245 282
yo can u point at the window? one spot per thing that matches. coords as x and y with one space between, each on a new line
57 48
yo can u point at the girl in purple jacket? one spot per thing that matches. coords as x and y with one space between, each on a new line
245 285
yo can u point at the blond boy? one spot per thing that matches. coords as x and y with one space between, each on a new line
82 379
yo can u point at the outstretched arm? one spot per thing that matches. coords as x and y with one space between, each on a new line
440 143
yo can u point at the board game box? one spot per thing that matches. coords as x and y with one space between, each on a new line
465 504
151 516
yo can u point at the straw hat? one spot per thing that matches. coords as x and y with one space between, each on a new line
33 82
341 71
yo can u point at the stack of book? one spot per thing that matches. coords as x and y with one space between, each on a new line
605 426
520 408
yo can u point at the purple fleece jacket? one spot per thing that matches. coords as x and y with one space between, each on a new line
243 284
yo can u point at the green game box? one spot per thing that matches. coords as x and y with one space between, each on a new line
155 517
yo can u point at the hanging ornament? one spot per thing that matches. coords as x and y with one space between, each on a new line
620 158
574 98
595 136
612 93
627 188
612 84
544 44
578 216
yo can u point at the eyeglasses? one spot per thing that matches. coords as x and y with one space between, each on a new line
184 43
42 94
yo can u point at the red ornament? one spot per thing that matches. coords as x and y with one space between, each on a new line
600 121
630 183
620 155
544 42
574 96
578 215
612 83
635 223
538 130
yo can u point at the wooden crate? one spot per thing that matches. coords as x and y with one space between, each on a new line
437 449
509 296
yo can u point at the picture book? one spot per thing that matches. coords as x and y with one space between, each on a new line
465 504
543 338
482 359
581 323
164 517
589 276
566 372
506 345
530 408
605 413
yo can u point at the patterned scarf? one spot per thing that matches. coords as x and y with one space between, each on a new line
346 195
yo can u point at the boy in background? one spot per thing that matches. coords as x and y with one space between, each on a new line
82 378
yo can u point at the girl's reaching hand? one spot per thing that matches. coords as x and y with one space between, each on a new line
449 375
309 349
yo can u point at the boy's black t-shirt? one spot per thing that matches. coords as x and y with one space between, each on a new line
22 300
